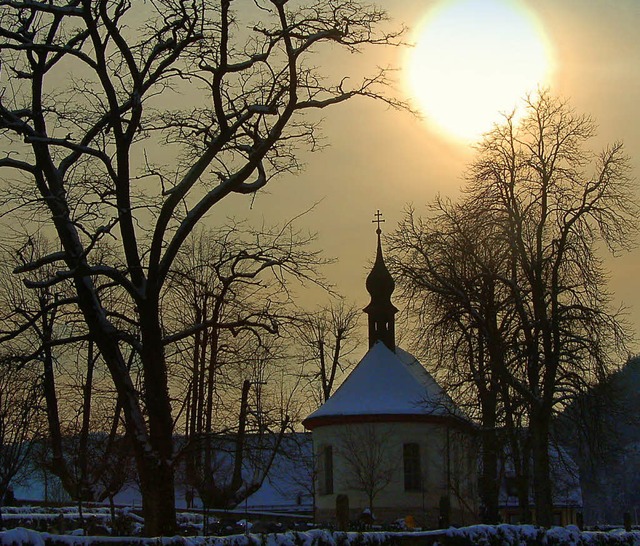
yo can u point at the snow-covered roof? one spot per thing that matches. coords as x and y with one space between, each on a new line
386 383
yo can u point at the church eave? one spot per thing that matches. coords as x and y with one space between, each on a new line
310 423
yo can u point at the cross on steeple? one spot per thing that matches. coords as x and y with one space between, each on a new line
378 220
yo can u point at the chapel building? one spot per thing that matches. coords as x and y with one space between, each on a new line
390 441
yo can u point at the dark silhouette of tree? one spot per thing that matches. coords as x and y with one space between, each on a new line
326 338
545 204
84 108
448 269
85 445
367 458
234 284
532 178
600 429
20 419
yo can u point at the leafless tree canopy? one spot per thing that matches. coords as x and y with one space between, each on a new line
327 338
227 305
20 419
367 454
512 278
42 329
95 150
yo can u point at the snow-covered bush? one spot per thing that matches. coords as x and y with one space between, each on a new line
477 535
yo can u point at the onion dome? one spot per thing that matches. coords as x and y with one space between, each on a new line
381 311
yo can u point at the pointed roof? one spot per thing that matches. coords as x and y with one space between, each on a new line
380 310
386 384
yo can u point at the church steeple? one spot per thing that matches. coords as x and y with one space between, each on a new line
380 310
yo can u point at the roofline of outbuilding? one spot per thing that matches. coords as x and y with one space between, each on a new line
326 420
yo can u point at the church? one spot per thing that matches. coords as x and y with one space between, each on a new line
390 443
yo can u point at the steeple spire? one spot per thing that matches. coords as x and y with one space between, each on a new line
380 286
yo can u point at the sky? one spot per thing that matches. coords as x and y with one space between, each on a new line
379 158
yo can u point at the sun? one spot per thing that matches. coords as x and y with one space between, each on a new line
474 59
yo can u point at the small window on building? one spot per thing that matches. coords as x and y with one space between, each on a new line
557 518
412 473
511 485
326 470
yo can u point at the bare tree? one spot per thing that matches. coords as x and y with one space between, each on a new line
235 284
227 467
599 429
531 178
368 460
327 340
461 468
448 268
84 90
545 217
229 294
20 419
96 451
84 446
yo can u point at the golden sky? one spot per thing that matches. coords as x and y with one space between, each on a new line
382 159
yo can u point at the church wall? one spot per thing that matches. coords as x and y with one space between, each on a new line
447 469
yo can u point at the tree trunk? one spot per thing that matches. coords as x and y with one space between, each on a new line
157 473
211 374
158 496
523 498
58 464
542 491
192 404
153 446
82 487
112 511
238 459
489 479
521 455
489 484
492 365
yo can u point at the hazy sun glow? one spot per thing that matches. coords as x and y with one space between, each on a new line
474 59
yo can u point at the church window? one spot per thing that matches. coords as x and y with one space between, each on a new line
326 470
412 474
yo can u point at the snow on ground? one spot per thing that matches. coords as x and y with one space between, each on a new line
476 535
480 535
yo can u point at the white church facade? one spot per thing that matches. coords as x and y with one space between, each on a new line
389 441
